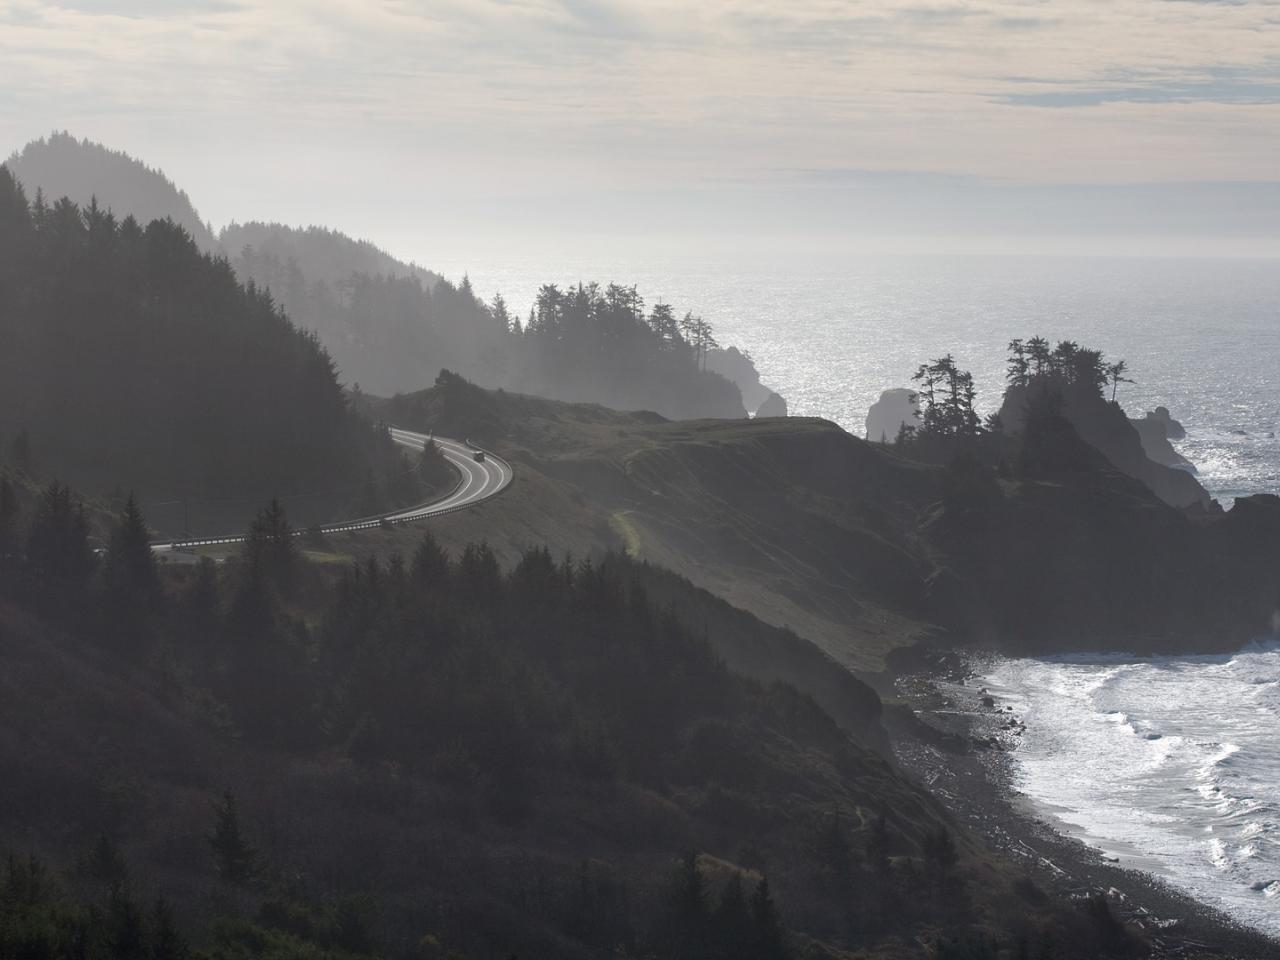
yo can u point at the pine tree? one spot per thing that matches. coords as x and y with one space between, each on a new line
128 936
234 859
167 942
430 564
1038 356
769 939
106 862
59 558
270 550
130 572
732 921
1116 374
1019 368
8 518
688 907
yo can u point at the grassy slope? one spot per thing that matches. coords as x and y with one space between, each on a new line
793 520
859 550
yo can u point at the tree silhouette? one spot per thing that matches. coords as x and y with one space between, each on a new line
1019 367
167 942
59 559
8 518
948 396
129 572
270 549
689 909
1116 374
770 942
234 859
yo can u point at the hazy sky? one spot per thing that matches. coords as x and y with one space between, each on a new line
413 122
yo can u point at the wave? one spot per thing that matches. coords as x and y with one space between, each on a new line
1174 757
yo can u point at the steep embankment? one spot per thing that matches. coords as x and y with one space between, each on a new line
484 759
863 552
793 520
133 361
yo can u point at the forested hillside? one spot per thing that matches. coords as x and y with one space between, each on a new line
391 327
318 253
426 756
62 166
133 361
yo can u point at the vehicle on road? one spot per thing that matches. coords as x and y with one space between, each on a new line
478 456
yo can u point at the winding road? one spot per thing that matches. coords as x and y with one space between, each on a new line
479 481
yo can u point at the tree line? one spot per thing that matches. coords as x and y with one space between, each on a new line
133 360
1042 373
499 692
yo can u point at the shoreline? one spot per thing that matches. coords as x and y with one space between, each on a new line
943 735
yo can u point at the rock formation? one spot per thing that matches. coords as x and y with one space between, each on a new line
1104 426
737 365
1172 428
773 406
888 414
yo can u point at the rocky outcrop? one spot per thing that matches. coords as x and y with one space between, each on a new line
1172 428
1075 555
1154 434
773 406
887 415
736 365
1105 427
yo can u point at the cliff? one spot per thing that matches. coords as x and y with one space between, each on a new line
1104 426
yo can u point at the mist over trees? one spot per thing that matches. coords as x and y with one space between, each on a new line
62 166
133 360
598 344
391 327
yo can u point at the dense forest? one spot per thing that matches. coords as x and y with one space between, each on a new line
540 762
134 361
62 166
391 327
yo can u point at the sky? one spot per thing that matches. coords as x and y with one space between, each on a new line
1116 124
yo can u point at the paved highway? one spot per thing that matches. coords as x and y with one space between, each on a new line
480 480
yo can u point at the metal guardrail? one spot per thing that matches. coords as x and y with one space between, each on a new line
369 523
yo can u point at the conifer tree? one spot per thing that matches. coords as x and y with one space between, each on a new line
732 920
430 564
1116 374
688 905
234 858
128 933
130 572
770 942
8 519
270 550
59 558
167 942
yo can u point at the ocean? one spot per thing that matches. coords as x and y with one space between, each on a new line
1169 765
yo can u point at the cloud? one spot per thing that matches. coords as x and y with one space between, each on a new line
137 9
287 96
